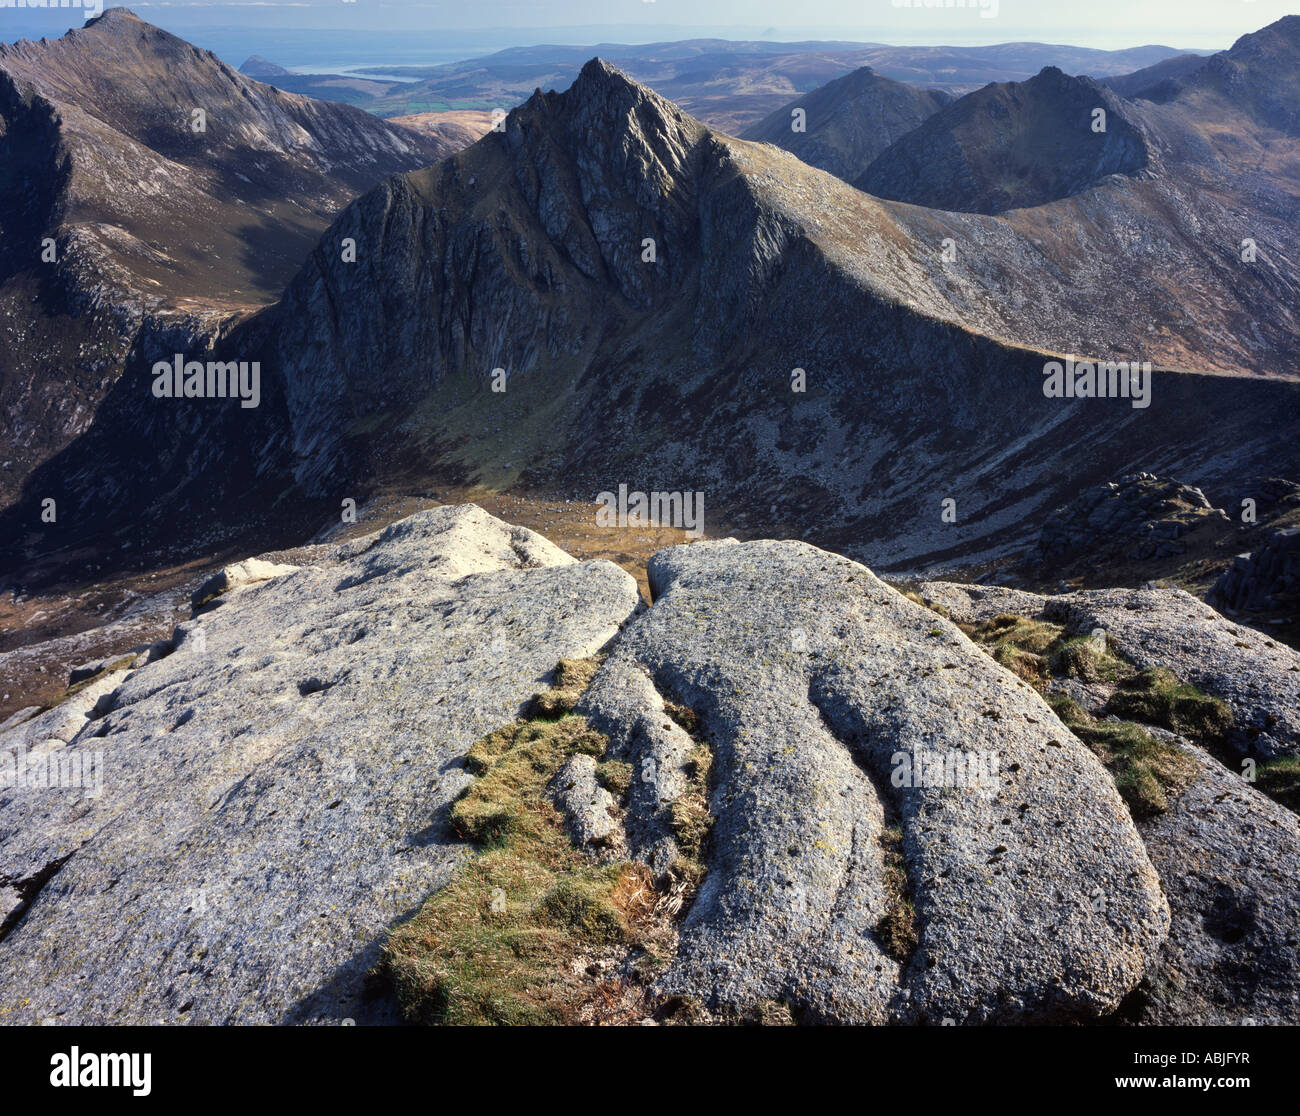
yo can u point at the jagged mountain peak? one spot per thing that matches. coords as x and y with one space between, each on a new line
843 125
1259 75
1283 33
1012 145
602 95
114 17
599 72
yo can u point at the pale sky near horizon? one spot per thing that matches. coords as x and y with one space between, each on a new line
1200 24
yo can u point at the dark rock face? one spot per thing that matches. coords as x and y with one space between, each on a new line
532 251
155 229
849 121
1141 515
1011 146
649 289
1265 580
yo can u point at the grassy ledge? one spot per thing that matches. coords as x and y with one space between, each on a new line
531 929
1146 770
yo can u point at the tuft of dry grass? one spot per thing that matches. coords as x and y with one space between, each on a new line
531 930
690 819
897 929
1156 696
1019 644
572 677
1146 770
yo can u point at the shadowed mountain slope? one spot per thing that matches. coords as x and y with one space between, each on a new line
124 215
529 253
849 121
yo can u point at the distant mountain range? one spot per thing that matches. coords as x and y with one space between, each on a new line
924 373
730 86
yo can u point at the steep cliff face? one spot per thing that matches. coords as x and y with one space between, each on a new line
649 290
846 123
145 187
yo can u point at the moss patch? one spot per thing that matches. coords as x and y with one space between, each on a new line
1146 770
531 930
897 929
1088 659
1157 697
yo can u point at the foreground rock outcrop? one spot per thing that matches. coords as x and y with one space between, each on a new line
820 690
853 809
1229 859
1228 856
1258 677
272 792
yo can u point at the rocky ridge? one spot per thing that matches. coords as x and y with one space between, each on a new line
527 253
218 215
899 829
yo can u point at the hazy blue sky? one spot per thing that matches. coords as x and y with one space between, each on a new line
1203 24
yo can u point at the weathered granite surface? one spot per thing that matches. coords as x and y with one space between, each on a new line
1034 898
1256 675
274 789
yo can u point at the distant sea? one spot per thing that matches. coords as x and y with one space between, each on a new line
303 50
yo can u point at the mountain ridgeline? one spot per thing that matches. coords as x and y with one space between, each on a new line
148 192
669 307
843 125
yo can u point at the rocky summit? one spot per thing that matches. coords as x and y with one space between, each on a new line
270 785
861 813
686 533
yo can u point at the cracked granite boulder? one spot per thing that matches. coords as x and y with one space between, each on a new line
1229 858
824 695
1256 675
274 790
